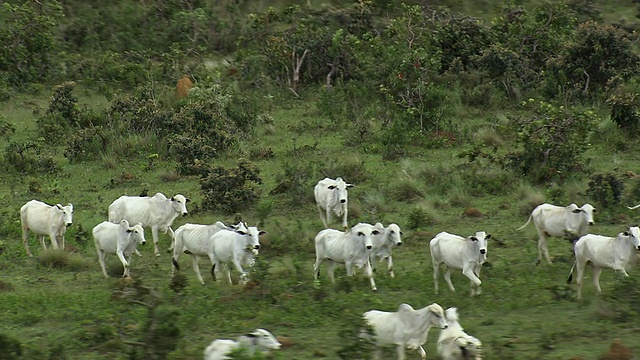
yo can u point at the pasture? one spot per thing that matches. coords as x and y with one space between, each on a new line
60 306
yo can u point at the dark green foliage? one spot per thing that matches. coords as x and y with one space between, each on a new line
53 259
551 141
61 116
26 157
420 217
624 112
86 144
6 128
231 190
461 39
10 348
356 336
606 190
295 181
624 299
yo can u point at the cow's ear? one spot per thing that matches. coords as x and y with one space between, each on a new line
473 238
129 230
375 232
488 236
59 206
261 232
188 200
350 185
241 232
401 233
331 187
576 211
626 233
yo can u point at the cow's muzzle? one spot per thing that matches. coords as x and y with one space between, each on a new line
369 247
67 224
398 243
342 201
591 223
256 246
444 326
144 243
483 251
638 247
184 214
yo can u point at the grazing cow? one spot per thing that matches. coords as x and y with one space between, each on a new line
466 254
454 343
238 247
383 244
118 239
331 196
569 222
604 252
196 240
406 328
259 341
42 220
156 212
351 248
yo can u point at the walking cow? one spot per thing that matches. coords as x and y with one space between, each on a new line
42 220
156 212
117 239
331 196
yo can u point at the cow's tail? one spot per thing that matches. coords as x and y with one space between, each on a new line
571 273
175 263
525 224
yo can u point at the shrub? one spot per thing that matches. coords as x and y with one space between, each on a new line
624 112
421 216
10 348
27 157
606 189
230 190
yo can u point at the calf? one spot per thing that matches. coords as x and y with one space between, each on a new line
119 239
43 219
383 244
237 247
604 252
569 222
259 341
331 196
351 248
406 328
467 254
454 343
156 212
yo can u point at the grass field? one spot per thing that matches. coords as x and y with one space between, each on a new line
525 311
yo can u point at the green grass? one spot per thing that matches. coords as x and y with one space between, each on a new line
518 316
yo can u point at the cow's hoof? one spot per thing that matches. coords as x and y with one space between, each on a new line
158 255
375 289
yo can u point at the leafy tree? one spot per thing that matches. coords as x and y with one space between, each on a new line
230 190
28 37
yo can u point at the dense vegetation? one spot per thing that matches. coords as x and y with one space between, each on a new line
454 116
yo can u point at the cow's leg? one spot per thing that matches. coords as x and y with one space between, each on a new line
477 272
173 238
447 278
579 274
101 255
596 278
436 274
41 238
25 239
331 266
328 218
475 281
390 267
345 225
423 354
196 268
154 234
323 217
124 262
316 269
543 249
54 240
400 352
369 273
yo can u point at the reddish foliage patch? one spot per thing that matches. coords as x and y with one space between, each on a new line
183 86
617 351
471 212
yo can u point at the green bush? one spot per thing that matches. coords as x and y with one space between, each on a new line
624 112
26 157
606 189
231 190
10 348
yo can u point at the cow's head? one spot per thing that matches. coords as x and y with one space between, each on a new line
437 316
587 210
481 238
363 232
67 214
394 234
634 235
339 187
137 232
179 203
252 235
265 339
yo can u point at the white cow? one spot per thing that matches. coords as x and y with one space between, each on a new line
156 212
466 254
238 247
331 196
351 248
406 328
259 341
454 343
604 252
569 222
196 240
118 239
44 220
383 244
